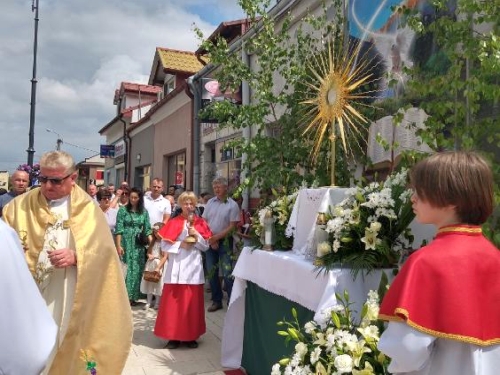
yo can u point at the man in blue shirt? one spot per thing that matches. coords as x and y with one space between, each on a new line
19 182
222 214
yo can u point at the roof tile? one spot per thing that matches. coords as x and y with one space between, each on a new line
180 61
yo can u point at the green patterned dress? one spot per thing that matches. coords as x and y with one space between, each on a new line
128 224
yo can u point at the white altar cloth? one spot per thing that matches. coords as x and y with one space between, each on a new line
293 277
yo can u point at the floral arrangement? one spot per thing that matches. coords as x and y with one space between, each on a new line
280 210
33 172
335 345
370 227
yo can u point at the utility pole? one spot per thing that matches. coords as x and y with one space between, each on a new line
59 140
31 150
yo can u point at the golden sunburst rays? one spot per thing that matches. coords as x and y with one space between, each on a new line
336 88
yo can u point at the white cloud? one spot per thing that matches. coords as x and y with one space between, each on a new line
85 49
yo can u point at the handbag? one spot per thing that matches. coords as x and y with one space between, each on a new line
152 276
141 239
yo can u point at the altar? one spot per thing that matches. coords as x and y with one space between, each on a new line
292 279
267 285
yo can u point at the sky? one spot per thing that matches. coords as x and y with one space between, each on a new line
85 50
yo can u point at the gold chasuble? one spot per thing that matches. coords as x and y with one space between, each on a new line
100 321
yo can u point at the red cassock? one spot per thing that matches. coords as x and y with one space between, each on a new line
450 288
181 315
171 231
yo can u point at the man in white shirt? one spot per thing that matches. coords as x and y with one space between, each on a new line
92 190
27 332
159 208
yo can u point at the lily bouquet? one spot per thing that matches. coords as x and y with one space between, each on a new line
336 345
370 227
280 210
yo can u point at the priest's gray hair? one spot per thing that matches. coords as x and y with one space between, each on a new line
58 159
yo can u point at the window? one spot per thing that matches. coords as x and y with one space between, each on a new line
169 86
177 169
143 177
227 164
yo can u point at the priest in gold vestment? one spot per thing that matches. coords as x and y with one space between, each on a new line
72 257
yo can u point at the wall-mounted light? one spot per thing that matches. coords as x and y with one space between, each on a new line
138 157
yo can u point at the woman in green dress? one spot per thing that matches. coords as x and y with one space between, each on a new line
131 220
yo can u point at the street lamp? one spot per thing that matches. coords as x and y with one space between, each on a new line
31 149
59 138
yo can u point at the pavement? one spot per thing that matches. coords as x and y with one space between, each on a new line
147 356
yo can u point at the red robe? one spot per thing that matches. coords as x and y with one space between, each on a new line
450 288
171 231
181 315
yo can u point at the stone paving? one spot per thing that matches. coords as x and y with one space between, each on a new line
147 356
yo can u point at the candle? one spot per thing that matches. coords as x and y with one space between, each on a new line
267 238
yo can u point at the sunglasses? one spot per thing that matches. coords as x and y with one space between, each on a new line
53 180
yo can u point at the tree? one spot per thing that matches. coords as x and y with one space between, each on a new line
279 154
456 74
456 79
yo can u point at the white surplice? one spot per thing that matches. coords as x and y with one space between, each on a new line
27 331
416 353
184 266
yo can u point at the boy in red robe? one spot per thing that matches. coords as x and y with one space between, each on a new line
443 307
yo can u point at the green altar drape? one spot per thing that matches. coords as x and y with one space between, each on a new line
262 346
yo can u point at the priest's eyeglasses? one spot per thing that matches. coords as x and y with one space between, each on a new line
53 180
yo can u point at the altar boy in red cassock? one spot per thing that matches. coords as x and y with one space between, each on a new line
181 315
443 307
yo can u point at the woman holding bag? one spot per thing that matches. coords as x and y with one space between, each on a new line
131 221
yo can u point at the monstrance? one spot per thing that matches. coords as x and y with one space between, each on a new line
335 90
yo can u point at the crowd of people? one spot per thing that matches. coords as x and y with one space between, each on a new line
124 231
85 254
164 219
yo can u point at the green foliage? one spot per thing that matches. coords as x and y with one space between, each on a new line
491 228
278 155
456 80
337 344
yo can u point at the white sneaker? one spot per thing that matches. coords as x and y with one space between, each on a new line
146 307
156 307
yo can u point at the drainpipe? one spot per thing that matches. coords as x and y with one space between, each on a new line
127 141
194 92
